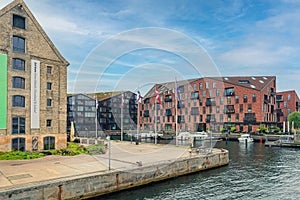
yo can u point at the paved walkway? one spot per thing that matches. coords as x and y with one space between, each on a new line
124 155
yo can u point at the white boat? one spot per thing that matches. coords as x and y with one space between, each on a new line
245 138
196 136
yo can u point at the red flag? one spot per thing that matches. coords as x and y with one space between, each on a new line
157 95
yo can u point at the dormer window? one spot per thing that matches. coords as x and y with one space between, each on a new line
18 21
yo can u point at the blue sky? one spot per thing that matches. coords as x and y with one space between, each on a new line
126 45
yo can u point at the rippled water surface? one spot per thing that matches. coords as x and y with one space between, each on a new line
254 172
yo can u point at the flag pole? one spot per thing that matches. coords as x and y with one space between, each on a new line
122 106
96 117
155 118
176 112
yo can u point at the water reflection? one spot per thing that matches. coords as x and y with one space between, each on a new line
254 172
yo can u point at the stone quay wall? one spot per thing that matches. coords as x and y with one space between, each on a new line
96 184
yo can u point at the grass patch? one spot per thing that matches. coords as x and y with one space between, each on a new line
19 155
71 150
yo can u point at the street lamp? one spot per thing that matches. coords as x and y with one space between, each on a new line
108 139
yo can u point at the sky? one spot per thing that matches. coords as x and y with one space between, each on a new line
131 45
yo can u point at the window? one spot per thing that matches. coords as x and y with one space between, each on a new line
221 100
289 111
245 98
18 82
253 98
207 85
214 84
18 101
228 100
49 86
18 44
218 92
237 117
49 143
236 99
289 97
49 102
284 104
241 108
204 93
18 125
218 109
48 122
195 86
18 144
249 107
18 64
18 21
49 70
200 86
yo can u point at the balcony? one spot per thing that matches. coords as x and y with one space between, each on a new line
168 98
249 120
208 120
195 95
210 102
229 111
266 101
229 92
279 112
180 119
279 98
168 112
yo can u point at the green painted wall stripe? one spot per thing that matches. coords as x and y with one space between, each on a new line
3 90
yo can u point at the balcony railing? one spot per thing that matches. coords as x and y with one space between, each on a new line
229 111
249 120
210 103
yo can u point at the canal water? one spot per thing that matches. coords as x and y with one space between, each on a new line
254 172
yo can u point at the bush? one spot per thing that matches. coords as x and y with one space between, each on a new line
19 155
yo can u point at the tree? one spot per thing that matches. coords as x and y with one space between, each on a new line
294 117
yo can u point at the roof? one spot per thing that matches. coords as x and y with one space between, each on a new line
251 82
21 4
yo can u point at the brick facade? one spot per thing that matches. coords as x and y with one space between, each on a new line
286 103
53 72
212 103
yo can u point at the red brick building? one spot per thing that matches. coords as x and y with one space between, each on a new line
211 103
286 103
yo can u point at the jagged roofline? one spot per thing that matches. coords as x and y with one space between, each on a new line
35 22
149 94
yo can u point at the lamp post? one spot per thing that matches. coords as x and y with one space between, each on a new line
108 139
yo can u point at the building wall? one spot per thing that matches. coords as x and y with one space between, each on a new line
196 110
286 103
109 112
37 47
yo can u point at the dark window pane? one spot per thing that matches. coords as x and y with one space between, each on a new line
18 125
18 21
49 143
18 82
18 64
18 144
18 44
18 101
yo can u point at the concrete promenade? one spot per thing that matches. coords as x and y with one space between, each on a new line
18 174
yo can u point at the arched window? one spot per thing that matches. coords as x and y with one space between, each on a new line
18 144
18 44
49 143
18 82
18 101
18 64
